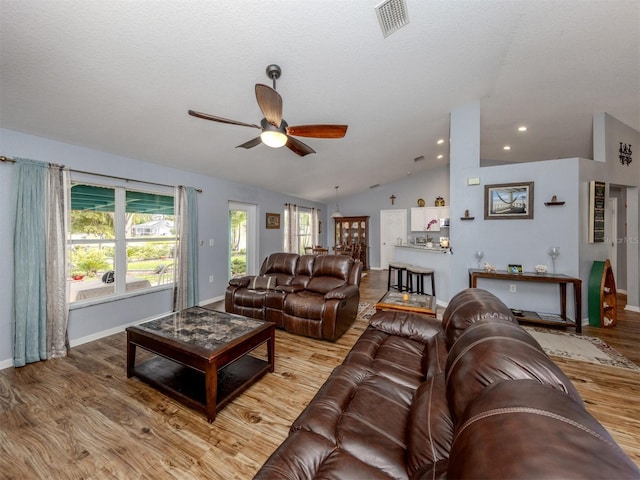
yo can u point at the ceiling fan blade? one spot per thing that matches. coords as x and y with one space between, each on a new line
206 116
296 146
270 102
251 143
318 131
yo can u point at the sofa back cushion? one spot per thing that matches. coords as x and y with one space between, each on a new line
430 426
493 351
304 270
280 263
522 429
470 306
329 272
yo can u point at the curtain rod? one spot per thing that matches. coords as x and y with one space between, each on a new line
12 160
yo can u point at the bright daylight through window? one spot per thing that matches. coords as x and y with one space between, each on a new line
304 230
121 241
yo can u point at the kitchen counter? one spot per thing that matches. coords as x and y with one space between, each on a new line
426 257
434 249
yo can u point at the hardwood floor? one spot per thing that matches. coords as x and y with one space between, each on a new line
80 417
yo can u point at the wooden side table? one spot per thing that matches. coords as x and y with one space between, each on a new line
560 279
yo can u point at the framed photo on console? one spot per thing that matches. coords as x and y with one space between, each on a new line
508 201
514 268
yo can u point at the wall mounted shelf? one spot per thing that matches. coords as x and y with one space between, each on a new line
553 204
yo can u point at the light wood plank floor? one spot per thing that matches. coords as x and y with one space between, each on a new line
81 418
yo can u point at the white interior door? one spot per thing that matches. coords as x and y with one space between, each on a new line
393 228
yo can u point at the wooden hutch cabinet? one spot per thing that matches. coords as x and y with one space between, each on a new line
352 238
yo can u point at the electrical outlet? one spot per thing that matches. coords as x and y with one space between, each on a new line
210 278
512 288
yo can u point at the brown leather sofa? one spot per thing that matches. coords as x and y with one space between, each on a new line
472 397
311 295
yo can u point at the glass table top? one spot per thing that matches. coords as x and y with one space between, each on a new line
206 328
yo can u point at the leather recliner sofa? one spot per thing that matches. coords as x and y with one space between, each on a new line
472 397
311 295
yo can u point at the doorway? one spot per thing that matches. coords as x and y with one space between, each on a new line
393 229
243 239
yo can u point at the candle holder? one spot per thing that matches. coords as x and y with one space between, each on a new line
479 256
554 252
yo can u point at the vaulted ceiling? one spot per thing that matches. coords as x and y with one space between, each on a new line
119 76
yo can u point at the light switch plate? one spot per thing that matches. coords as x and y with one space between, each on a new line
473 181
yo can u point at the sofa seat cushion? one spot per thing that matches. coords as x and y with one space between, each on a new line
363 414
304 304
397 358
430 427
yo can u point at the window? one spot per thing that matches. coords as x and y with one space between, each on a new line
303 234
121 241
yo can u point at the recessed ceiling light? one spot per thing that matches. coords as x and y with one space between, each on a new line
441 141
522 129
440 156
507 147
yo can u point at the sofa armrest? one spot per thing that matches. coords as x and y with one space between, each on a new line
240 281
409 325
289 288
340 293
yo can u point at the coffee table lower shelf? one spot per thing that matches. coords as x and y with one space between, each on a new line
187 385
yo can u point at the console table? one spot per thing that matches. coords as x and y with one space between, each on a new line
560 279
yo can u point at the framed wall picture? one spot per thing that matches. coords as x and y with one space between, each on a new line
508 201
596 211
273 220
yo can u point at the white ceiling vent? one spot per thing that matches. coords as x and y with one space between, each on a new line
392 15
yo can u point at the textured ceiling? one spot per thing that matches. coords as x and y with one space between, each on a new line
119 76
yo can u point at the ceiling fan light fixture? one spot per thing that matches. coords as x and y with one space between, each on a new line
273 139
272 136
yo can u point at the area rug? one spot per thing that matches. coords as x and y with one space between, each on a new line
366 310
579 347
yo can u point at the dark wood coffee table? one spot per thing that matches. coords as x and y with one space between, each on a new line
416 303
201 356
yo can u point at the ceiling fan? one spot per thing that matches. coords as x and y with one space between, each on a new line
276 132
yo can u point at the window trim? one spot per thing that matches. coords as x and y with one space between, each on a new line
120 239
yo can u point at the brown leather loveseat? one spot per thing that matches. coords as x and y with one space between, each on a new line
312 295
472 397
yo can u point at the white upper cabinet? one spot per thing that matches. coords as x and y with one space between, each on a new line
427 219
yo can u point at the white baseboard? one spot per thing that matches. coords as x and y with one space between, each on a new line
6 363
94 336
211 300
632 308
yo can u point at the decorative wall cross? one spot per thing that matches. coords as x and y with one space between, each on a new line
393 199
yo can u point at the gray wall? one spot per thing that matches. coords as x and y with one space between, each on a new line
84 323
426 185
